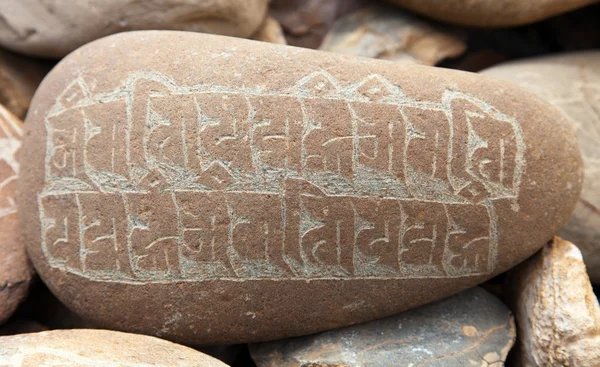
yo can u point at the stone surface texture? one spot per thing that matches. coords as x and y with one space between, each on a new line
270 31
391 34
571 82
97 348
19 78
306 22
491 13
15 269
55 28
558 315
243 191
472 328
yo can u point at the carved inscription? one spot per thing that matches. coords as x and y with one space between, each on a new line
10 142
156 181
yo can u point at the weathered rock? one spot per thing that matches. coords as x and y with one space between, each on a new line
306 22
491 13
226 190
53 29
390 34
19 78
472 328
571 82
15 269
270 31
558 315
87 348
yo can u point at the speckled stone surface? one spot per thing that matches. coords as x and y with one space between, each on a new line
218 190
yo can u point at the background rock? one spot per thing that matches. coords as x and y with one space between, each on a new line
85 348
390 34
557 313
270 31
53 29
491 13
571 82
472 328
15 269
306 22
19 78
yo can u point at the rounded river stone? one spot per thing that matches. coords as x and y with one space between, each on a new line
571 82
472 328
15 268
55 28
492 13
89 348
219 190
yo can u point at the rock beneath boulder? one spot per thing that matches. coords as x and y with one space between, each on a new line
389 34
472 328
571 82
227 191
270 31
491 13
85 347
15 269
19 78
21 326
557 313
38 28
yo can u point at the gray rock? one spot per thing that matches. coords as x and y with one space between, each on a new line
472 328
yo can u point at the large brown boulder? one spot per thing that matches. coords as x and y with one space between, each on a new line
491 13
55 28
219 190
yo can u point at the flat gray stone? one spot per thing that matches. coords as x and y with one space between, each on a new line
472 328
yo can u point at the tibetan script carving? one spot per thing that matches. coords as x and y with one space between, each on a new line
316 181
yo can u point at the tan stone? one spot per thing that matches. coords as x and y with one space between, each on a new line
571 82
558 315
15 268
19 78
270 31
491 13
53 29
97 348
223 190
472 328
390 34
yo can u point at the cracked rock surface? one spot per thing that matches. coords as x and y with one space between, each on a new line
557 313
571 83
390 34
472 328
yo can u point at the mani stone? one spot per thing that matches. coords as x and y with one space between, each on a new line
389 34
15 269
491 13
97 348
558 315
571 82
472 328
55 28
224 190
